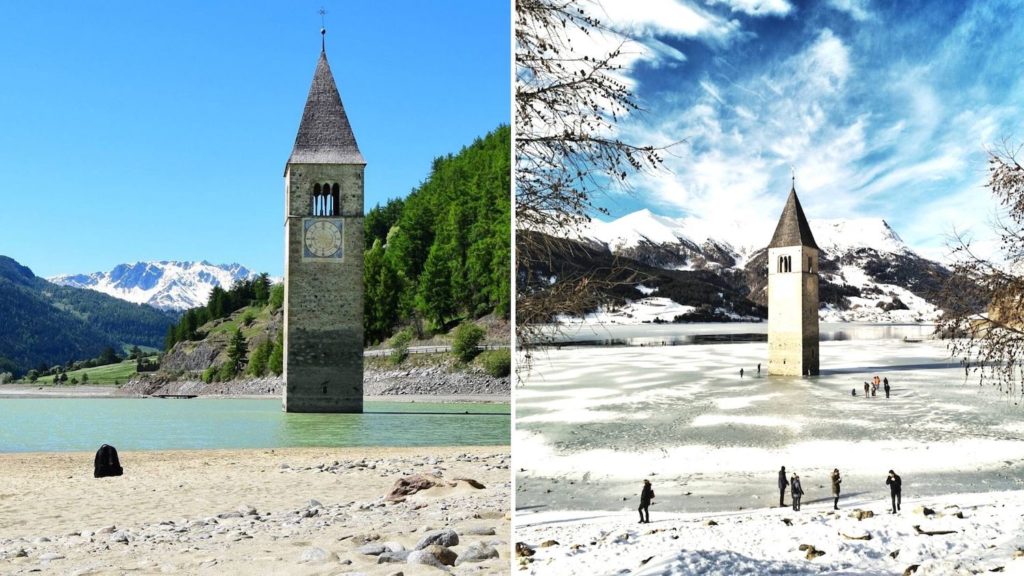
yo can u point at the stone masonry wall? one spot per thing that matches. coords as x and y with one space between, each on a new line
324 299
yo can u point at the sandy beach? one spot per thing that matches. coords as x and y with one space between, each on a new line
282 511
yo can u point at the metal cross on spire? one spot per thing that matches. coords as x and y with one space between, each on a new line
323 30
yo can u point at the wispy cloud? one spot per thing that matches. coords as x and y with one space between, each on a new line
664 18
757 7
857 9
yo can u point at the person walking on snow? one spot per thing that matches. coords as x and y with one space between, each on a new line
646 495
895 490
867 389
885 382
783 482
796 492
836 481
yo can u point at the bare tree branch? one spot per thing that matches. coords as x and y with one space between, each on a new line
983 300
567 104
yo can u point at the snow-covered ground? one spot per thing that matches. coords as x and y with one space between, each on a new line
592 422
759 542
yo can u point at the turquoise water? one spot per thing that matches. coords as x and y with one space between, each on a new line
83 424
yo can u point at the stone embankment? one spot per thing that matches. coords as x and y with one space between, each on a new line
424 380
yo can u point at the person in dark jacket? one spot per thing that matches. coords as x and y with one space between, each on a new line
796 492
895 490
885 384
646 495
783 482
836 481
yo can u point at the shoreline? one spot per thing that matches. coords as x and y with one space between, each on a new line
51 391
281 510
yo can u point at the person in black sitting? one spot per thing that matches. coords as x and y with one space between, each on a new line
895 490
646 495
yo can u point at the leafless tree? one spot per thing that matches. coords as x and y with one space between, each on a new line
567 104
983 300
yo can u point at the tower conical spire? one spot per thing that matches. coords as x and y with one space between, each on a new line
793 229
325 136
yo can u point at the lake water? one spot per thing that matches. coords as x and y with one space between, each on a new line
83 424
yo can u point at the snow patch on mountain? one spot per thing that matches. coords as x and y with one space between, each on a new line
167 284
653 309
878 302
855 233
632 229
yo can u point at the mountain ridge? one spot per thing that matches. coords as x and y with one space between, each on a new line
165 284
868 273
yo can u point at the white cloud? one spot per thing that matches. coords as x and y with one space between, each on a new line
857 9
757 7
740 146
899 134
663 18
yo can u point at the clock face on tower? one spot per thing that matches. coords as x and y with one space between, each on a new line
322 238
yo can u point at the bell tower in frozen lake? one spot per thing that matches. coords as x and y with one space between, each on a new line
323 309
793 294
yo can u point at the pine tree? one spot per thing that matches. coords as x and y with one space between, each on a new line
434 298
260 357
237 350
376 327
276 362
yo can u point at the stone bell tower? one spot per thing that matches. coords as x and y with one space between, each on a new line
323 309
793 294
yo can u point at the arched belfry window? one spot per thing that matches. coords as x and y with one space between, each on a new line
335 199
785 264
325 200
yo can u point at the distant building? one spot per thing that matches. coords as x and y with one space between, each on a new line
793 294
323 310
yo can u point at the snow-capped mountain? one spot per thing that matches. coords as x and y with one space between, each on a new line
168 285
867 272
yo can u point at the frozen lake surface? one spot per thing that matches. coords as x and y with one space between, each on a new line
593 421
705 333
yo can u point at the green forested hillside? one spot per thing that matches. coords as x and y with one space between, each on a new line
443 253
41 322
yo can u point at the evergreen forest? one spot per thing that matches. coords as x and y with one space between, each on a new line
443 254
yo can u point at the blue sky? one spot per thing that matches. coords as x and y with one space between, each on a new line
884 109
159 130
